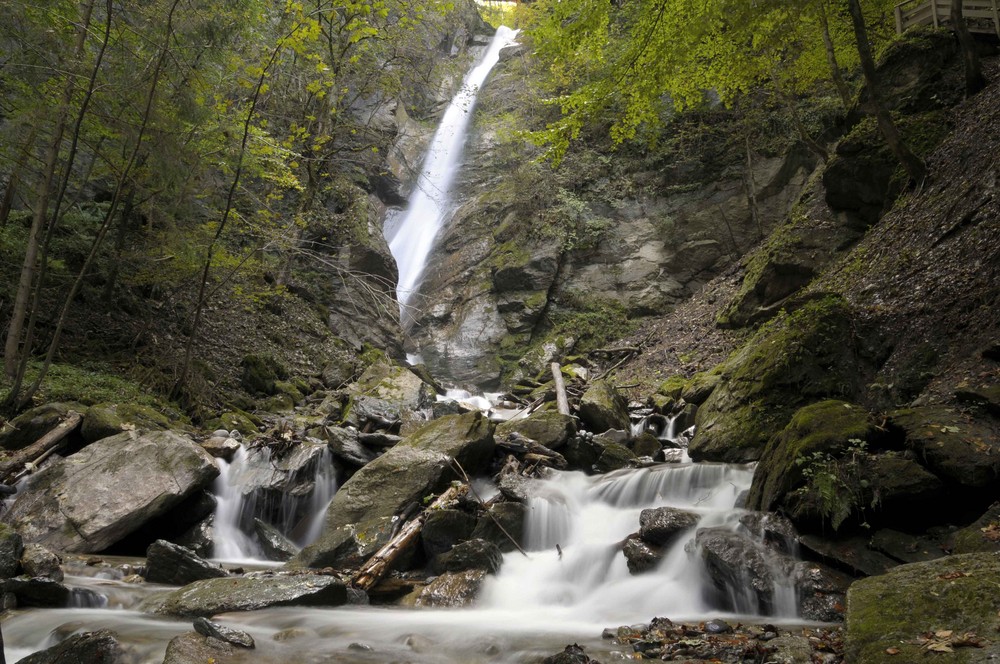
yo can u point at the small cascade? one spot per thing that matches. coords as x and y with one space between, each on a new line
252 486
411 234
574 533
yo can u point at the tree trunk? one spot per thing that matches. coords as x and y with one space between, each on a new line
377 566
13 463
912 164
974 79
12 345
831 58
562 403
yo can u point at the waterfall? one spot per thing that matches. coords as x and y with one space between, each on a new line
411 234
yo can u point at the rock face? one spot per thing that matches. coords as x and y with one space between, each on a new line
212 596
896 616
99 647
174 565
92 499
405 474
808 355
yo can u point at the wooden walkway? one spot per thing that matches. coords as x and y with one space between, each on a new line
982 16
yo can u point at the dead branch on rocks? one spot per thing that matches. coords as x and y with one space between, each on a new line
22 462
493 518
562 403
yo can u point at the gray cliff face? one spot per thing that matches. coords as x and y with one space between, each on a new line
644 240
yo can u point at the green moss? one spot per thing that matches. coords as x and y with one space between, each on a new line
259 373
89 384
672 387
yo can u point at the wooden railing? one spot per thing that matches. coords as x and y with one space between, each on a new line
981 15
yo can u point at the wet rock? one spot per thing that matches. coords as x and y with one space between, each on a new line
48 594
893 617
200 537
544 427
773 529
987 397
32 424
92 499
346 446
194 648
645 445
904 547
572 654
452 589
100 647
602 408
821 591
470 555
11 549
405 474
445 528
516 487
851 554
742 571
380 439
235 637
250 593
614 457
37 561
174 565
717 626
504 526
221 447
641 556
662 525
953 445
275 545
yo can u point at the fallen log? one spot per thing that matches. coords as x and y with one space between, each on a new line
562 402
527 447
11 467
378 565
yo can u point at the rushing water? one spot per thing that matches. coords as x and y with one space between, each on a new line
411 234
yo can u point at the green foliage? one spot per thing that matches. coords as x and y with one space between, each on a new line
836 485
91 384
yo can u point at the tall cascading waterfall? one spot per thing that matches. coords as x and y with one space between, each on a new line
411 233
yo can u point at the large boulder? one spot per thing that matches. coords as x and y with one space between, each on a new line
745 574
641 556
955 446
416 467
46 593
603 408
827 427
943 608
92 499
250 593
547 428
194 648
662 525
395 385
99 647
807 355
173 565
982 535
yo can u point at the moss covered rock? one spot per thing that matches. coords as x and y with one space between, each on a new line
801 357
958 447
894 617
980 536
827 427
31 425
603 408
547 428
212 596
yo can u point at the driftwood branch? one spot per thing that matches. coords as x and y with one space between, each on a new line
377 566
490 514
10 468
562 402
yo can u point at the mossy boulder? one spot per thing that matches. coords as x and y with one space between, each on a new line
958 447
700 387
259 373
394 384
544 427
104 420
603 408
672 387
986 396
798 358
980 536
416 467
894 617
211 596
291 390
827 427
31 425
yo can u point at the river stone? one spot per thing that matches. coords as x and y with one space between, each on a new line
894 611
826 427
504 526
452 589
735 563
46 593
92 499
194 648
662 525
602 408
773 529
641 556
11 549
37 561
174 565
100 647
544 427
235 637
811 354
275 545
221 447
345 445
849 553
445 528
420 465
904 547
250 593
821 592
471 554
953 445
199 537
